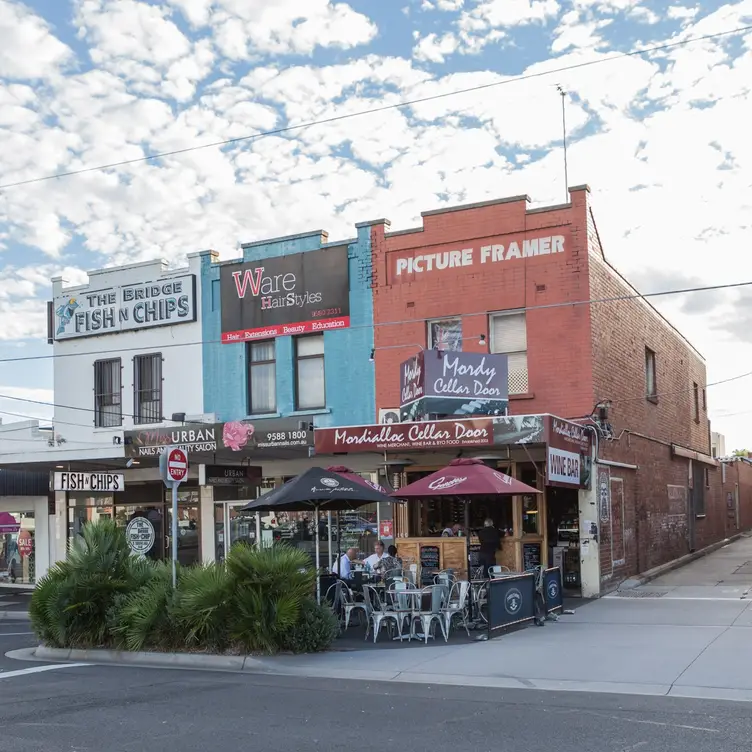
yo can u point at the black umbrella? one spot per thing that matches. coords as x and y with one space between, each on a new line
317 489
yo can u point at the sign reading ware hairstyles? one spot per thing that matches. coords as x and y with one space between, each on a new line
285 295
123 308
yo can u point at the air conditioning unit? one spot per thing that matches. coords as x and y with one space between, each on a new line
389 415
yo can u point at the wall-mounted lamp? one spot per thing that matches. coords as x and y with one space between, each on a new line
482 340
373 354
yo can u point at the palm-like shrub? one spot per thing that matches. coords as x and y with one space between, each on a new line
203 606
269 585
71 603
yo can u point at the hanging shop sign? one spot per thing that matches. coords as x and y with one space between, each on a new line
209 438
568 458
88 481
122 308
437 382
230 475
285 295
502 250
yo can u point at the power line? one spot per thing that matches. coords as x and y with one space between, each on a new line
565 304
381 108
663 395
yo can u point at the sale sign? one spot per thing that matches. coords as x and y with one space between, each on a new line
25 543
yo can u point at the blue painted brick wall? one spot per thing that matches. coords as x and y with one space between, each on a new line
350 386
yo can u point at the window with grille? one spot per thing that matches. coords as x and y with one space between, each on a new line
445 334
509 337
310 384
108 401
147 388
262 377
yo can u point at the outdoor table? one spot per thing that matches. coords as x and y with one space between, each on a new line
418 598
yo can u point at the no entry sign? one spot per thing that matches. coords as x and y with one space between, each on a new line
177 465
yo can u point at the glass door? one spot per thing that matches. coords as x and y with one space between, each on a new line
232 525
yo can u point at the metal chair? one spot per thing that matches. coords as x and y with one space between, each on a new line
428 619
498 571
344 599
456 605
378 614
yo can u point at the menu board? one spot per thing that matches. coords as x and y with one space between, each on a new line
430 563
531 556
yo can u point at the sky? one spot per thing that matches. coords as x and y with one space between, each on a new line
662 138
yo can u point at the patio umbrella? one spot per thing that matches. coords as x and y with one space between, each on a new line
318 489
8 523
465 477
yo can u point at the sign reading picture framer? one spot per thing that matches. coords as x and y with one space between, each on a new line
123 308
285 295
568 460
495 252
436 382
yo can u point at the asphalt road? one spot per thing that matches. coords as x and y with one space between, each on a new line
112 709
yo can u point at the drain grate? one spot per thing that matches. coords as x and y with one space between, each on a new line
641 593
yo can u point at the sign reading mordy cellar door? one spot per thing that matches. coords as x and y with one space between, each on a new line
284 295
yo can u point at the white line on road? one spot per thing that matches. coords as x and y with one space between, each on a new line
39 669
14 634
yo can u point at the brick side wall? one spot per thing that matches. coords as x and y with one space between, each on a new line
558 337
621 330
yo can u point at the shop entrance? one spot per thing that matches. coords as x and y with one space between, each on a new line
564 536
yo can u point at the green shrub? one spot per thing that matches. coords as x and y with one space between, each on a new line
203 606
315 630
269 586
71 605
145 617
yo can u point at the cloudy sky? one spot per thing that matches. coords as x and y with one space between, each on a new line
662 139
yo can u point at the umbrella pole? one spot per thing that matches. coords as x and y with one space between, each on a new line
467 536
318 545
329 540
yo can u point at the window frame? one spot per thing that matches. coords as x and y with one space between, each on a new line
297 358
443 319
250 364
651 363
696 401
138 418
492 349
98 406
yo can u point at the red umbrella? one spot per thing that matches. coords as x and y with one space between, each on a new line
465 477
8 523
353 477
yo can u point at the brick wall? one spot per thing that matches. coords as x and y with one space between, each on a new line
737 489
558 337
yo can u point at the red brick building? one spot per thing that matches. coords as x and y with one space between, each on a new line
535 284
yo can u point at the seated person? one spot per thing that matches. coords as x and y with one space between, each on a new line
389 561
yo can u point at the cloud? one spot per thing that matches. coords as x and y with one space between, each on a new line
649 281
16 410
28 48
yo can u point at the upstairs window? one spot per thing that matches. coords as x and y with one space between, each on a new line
262 377
445 334
147 388
696 401
108 400
509 337
651 386
310 384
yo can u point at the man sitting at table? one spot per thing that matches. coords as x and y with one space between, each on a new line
343 567
371 562
389 561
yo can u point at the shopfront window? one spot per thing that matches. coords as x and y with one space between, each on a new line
189 530
18 548
83 508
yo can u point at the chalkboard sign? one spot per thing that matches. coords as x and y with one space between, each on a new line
430 563
531 556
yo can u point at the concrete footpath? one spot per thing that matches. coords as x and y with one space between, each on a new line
686 634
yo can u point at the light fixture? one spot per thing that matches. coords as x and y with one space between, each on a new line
373 354
482 340
59 467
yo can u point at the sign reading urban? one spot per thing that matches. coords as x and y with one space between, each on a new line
96 482
89 313
285 295
512 249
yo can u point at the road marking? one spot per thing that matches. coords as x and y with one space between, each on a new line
40 669
14 634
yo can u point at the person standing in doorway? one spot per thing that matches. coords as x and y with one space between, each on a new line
490 543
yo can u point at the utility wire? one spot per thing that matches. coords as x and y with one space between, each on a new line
380 108
542 306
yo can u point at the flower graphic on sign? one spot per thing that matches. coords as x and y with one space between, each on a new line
235 435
